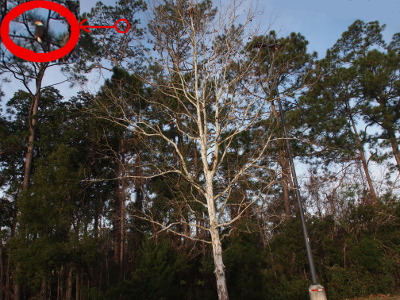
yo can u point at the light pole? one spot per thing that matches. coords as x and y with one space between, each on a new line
317 291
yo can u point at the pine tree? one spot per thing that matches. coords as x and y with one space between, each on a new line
333 108
283 66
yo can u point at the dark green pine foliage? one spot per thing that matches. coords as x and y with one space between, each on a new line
51 116
379 82
328 110
325 115
353 103
372 66
160 272
11 149
91 137
47 211
281 71
245 261
46 217
355 255
337 113
286 267
119 100
98 46
14 131
360 262
62 210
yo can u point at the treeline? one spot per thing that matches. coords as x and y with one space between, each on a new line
173 180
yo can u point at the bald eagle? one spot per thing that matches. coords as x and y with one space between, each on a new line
40 31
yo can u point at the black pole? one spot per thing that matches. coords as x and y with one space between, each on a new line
314 278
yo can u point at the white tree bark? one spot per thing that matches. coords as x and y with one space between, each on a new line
208 77
216 243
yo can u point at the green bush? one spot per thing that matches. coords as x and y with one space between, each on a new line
160 273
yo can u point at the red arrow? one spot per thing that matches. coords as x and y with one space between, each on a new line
86 27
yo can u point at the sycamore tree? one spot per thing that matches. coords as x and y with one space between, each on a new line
200 116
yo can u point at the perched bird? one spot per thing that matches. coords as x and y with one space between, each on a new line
40 31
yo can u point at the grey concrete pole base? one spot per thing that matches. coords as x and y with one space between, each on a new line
317 292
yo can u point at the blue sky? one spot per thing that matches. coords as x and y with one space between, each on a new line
323 21
320 21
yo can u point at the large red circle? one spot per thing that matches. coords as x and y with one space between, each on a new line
30 55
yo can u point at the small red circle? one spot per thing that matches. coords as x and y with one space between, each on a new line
30 55
128 26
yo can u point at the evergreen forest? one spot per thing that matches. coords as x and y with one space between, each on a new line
174 178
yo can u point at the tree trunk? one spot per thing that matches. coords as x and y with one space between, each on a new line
395 148
116 223
68 291
8 280
77 287
17 287
119 211
219 264
116 214
2 270
363 161
32 121
122 230
331 200
60 282
285 182
216 242
367 175
31 140
43 290
283 163
387 125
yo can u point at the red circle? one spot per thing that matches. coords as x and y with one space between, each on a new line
30 55
128 26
